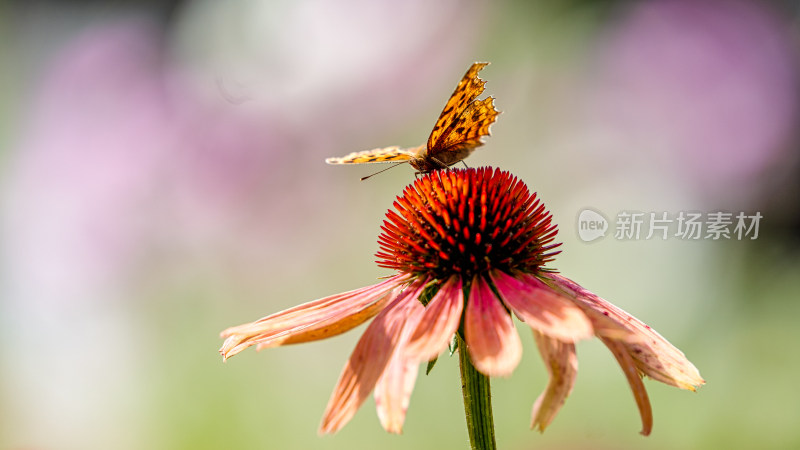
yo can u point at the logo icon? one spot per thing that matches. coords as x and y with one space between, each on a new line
591 225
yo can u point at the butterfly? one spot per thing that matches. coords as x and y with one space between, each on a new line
457 133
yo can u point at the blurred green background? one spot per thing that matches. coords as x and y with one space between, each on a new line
162 178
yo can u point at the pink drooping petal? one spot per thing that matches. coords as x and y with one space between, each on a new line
542 308
438 323
394 387
492 340
562 365
393 392
654 356
368 361
634 380
314 320
602 324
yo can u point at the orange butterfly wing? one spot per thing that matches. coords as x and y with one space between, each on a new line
377 155
458 131
463 122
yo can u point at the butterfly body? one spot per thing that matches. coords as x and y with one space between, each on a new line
457 133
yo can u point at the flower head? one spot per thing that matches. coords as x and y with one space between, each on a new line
472 244
465 223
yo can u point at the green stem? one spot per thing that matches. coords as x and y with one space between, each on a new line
477 401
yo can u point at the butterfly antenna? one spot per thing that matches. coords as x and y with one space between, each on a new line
383 170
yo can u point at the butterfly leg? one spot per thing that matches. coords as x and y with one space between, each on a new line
440 163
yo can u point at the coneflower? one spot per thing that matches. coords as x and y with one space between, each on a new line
469 248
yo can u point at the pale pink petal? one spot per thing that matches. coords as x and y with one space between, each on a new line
492 340
393 391
314 320
602 324
394 387
439 322
635 381
541 308
562 365
368 361
654 356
